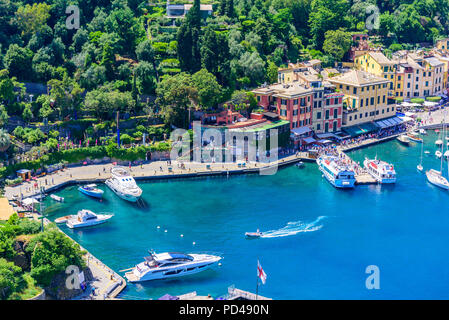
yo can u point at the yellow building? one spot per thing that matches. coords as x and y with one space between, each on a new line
443 44
366 97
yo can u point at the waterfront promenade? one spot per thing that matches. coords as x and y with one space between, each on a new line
154 170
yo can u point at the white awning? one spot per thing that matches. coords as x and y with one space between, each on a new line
300 131
29 201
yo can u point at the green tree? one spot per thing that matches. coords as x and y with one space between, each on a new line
326 15
32 18
215 55
337 43
10 278
27 114
18 61
188 38
272 72
5 142
51 253
175 95
3 116
209 91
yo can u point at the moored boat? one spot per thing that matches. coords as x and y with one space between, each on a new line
436 178
413 136
57 198
422 131
339 174
64 219
86 218
404 139
91 190
170 265
382 171
438 154
123 184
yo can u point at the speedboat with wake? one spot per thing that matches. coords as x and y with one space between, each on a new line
91 190
123 184
339 174
86 218
170 265
382 171
253 235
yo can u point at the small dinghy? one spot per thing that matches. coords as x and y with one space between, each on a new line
64 219
57 198
91 190
414 137
253 235
300 164
422 131
438 154
427 152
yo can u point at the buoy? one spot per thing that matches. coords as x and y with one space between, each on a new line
194 243
182 235
165 230
219 264
158 227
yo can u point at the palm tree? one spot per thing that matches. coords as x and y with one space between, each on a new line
5 141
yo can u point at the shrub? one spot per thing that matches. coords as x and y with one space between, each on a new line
417 100
433 99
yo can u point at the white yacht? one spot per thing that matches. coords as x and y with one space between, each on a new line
404 139
382 171
86 218
123 184
436 178
170 265
339 174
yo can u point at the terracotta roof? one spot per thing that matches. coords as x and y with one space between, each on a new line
358 78
381 58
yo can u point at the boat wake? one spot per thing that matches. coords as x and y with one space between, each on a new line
293 228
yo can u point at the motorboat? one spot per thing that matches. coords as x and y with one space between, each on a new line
170 265
446 154
336 171
64 219
427 152
253 235
438 154
123 184
57 198
422 131
404 139
419 167
300 164
91 190
439 142
86 218
436 178
380 170
413 136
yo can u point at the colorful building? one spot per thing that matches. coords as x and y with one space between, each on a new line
291 102
365 97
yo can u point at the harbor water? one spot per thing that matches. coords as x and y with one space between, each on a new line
318 243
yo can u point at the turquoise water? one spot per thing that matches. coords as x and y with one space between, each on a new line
320 242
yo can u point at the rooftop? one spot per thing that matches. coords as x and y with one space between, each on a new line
358 78
381 58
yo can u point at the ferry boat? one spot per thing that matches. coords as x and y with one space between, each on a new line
336 172
436 178
123 184
86 218
382 171
170 265
91 190
404 139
